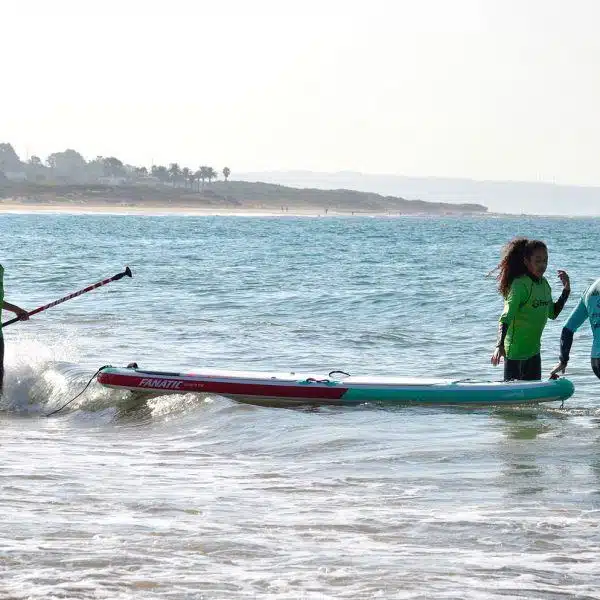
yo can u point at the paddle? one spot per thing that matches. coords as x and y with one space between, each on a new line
116 277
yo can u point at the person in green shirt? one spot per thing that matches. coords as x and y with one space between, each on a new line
20 312
527 306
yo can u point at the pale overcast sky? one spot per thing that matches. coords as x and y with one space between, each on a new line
486 89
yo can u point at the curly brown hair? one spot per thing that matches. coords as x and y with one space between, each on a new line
512 262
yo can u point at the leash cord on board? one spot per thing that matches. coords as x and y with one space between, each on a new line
81 392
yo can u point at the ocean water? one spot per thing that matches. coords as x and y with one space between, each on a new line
202 497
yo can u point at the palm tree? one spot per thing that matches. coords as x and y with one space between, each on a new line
211 174
185 172
198 176
226 173
204 172
174 172
191 178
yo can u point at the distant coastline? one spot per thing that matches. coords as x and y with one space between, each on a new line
67 181
220 197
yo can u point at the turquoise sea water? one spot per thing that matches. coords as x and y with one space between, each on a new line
194 497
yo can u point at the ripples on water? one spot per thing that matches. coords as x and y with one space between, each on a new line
201 497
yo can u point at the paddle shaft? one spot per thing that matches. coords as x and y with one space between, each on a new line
126 272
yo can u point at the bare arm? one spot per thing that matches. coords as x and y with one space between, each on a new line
20 312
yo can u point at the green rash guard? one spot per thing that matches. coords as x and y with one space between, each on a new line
526 311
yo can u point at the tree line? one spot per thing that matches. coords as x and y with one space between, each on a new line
71 166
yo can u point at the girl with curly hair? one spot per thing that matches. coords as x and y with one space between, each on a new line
527 306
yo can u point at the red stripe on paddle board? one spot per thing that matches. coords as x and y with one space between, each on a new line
222 387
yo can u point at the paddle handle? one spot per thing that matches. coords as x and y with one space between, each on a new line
126 272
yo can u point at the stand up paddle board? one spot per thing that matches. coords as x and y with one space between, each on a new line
336 388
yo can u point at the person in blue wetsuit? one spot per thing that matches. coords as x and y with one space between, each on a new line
587 308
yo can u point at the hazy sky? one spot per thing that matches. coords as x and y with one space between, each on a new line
487 89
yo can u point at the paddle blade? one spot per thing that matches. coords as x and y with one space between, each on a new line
127 272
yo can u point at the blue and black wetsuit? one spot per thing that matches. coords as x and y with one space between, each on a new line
587 308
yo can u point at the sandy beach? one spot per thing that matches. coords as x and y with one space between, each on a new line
157 209
11 206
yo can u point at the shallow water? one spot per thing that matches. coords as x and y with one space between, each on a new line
201 497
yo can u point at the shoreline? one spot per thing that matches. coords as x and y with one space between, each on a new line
10 206
156 208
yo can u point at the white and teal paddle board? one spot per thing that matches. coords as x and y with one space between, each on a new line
336 388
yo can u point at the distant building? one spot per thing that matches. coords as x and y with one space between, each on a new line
16 175
147 180
112 180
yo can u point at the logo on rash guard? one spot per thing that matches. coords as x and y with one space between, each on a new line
537 303
163 384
